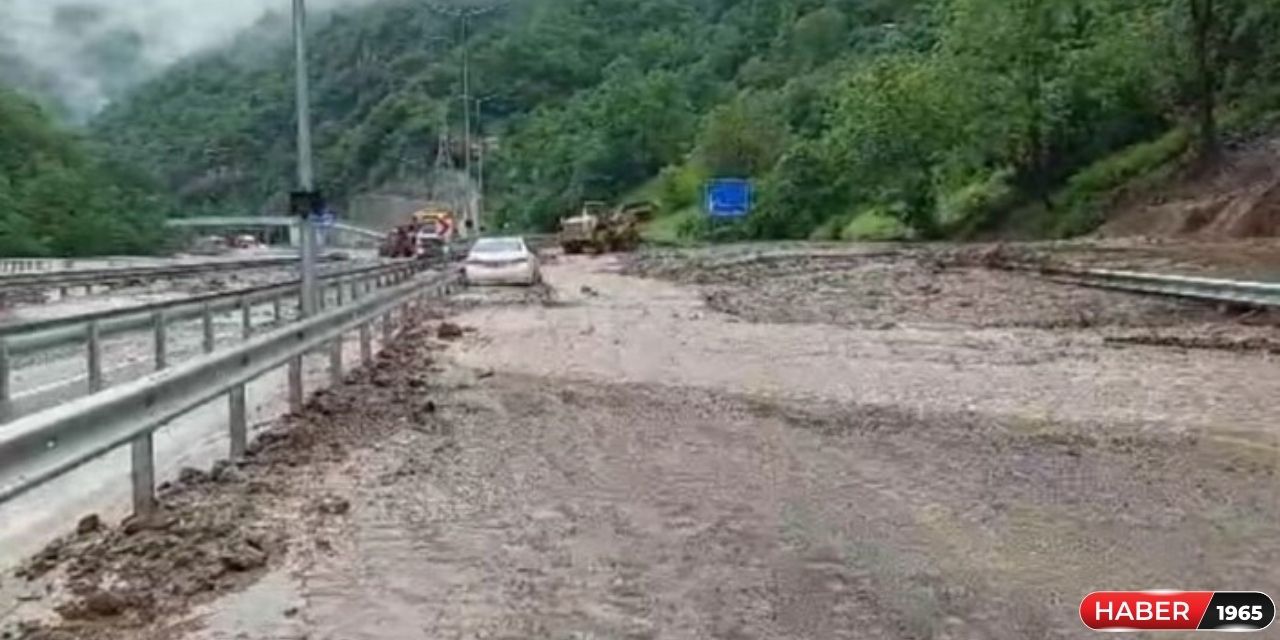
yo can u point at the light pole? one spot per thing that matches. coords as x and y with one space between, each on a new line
306 172
466 117
480 208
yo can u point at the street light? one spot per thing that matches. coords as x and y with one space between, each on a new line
480 208
306 193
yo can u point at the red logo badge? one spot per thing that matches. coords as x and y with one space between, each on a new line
1177 611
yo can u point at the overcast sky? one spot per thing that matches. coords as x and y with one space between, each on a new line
169 29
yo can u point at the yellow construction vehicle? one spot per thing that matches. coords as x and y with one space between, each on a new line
598 230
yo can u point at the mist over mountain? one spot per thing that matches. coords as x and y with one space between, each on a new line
79 55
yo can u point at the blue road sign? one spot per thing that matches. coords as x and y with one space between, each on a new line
325 218
728 198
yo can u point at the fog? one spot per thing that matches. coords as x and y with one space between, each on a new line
82 53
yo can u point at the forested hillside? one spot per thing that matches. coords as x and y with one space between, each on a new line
58 198
856 118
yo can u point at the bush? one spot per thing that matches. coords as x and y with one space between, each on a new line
678 228
1087 193
977 202
877 224
832 228
695 226
680 187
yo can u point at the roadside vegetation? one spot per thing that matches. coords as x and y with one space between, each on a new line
857 119
58 198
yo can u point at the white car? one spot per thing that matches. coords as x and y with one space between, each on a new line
501 261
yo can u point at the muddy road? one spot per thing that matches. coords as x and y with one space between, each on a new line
778 451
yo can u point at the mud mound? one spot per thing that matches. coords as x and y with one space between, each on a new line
969 287
1240 198
218 531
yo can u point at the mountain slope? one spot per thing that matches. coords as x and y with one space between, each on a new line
56 198
946 116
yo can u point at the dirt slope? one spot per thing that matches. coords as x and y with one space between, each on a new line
1240 198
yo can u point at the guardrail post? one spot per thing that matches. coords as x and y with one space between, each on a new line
239 422
161 340
277 309
6 393
143 475
335 361
342 294
388 330
295 385
246 318
95 357
206 321
142 449
366 344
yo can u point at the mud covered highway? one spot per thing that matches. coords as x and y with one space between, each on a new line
890 446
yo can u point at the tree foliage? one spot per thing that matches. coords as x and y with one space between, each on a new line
927 110
58 198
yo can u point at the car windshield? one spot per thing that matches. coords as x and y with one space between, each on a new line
502 245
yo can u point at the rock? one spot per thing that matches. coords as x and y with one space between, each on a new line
291 612
104 604
243 557
132 526
333 506
192 476
88 524
227 472
189 587
589 292
450 331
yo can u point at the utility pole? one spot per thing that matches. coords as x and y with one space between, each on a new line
480 205
465 16
306 171
466 118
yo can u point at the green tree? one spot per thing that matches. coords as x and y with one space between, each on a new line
744 137
895 126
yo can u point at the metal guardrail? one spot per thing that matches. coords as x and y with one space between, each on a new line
91 329
264 221
1256 294
29 265
23 337
92 277
44 446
